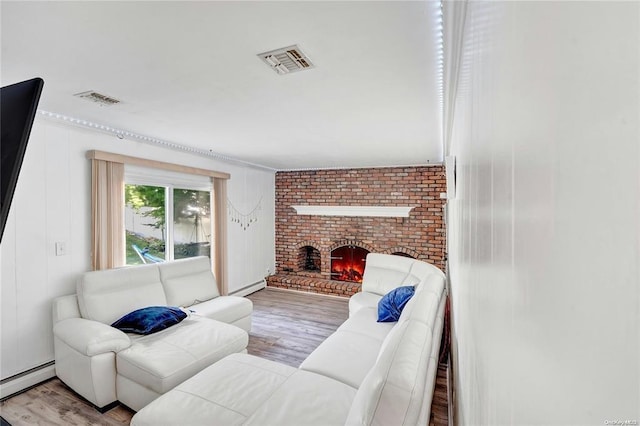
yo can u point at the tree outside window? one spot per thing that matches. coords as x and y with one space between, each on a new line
156 232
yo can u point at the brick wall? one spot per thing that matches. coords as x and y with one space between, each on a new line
421 235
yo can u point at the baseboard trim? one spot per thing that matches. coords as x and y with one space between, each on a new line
251 288
26 380
290 290
451 392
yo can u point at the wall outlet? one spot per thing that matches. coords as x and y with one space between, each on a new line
61 248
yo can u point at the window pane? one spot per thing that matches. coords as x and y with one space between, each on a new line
192 223
145 224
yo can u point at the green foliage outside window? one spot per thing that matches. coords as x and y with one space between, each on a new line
188 204
189 207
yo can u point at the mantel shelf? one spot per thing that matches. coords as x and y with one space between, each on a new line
358 211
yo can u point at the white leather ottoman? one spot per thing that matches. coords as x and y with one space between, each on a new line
156 363
246 390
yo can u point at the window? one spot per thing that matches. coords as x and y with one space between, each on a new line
167 215
173 182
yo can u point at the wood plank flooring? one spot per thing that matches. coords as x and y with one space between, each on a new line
287 327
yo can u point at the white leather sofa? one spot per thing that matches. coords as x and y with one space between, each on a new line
105 365
366 373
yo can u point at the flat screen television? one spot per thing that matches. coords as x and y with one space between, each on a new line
18 105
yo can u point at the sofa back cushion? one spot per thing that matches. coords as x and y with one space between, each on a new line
392 393
384 272
65 307
188 281
423 306
420 271
107 295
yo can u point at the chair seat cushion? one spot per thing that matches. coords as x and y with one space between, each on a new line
162 360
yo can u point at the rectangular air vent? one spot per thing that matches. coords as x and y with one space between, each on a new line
97 98
286 60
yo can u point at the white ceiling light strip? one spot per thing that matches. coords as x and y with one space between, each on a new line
396 166
124 134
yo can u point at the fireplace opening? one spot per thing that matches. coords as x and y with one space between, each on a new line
347 263
309 259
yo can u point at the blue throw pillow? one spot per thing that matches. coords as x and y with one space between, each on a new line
391 305
150 320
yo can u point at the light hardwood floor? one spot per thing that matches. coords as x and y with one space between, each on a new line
287 326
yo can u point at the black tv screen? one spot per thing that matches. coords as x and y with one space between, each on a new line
18 105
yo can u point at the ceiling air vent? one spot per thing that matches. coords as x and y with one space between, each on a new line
286 60
98 98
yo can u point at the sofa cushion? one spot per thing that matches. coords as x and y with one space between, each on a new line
107 295
384 272
65 307
227 309
427 297
244 389
344 356
188 281
365 322
349 353
305 399
150 320
393 390
391 305
161 360
420 271
362 300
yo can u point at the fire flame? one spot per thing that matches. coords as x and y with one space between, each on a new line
347 264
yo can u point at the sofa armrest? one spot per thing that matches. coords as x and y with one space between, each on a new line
90 337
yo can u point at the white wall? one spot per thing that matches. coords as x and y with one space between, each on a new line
247 247
52 203
544 233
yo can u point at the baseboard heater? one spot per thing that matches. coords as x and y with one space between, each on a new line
250 288
26 380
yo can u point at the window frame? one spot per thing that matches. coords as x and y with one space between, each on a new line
169 253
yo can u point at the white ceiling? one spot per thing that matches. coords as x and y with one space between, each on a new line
187 72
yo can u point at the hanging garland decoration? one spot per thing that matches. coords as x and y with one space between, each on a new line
244 220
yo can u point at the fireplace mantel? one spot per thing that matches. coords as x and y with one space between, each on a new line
358 211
